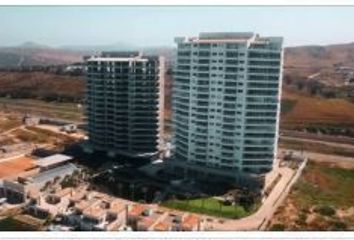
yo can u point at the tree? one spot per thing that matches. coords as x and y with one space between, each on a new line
145 191
120 187
132 189
188 196
220 205
203 196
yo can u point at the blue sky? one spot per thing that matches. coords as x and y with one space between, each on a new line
156 26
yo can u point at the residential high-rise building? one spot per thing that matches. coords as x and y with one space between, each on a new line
124 93
226 102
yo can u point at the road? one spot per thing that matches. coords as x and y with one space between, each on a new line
56 129
333 144
340 161
268 207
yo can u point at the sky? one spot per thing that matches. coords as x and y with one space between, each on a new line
157 26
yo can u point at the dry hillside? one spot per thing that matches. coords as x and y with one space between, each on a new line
320 63
310 59
41 85
32 56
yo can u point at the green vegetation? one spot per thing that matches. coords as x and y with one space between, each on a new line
287 105
339 226
277 227
321 200
210 206
325 186
10 224
325 210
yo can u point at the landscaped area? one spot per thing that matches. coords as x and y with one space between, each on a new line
11 224
210 206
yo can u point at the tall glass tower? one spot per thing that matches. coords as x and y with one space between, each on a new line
226 103
124 94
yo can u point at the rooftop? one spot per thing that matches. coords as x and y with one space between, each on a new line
122 57
191 221
151 218
117 206
78 194
84 204
162 226
52 160
95 210
116 59
228 37
137 210
49 175
64 192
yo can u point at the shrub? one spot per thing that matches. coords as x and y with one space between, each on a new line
277 227
339 226
302 219
325 210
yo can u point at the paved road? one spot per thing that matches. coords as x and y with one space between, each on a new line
340 161
333 144
268 207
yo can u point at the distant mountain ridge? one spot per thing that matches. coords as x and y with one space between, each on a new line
31 54
306 59
316 57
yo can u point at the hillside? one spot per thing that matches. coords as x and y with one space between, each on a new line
30 54
317 57
40 85
332 65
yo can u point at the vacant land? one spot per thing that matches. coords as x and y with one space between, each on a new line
41 85
15 166
323 185
322 199
305 110
208 206
298 144
8 122
68 111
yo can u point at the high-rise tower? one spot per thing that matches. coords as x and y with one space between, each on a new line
226 102
124 97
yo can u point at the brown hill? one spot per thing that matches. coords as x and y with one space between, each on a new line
307 60
41 85
29 56
319 56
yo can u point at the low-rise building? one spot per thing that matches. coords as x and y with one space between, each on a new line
96 211
48 172
146 218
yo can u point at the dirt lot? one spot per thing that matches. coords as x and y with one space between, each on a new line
322 199
315 110
329 148
15 166
8 121
53 109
